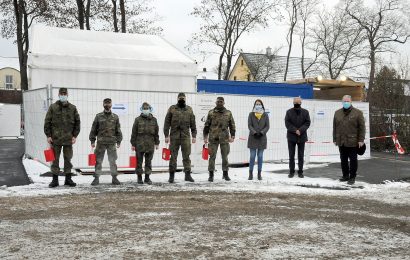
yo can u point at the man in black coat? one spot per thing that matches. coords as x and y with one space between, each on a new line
297 122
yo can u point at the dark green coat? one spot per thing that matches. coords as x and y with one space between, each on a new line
179 121
348 127
219 126
106 129
144 134
62 123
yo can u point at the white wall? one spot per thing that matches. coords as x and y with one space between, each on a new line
89 103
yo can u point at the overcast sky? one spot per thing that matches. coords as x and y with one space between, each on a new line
179 26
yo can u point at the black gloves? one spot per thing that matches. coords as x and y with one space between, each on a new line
258 135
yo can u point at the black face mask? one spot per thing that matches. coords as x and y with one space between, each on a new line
107 108
296 105
181 103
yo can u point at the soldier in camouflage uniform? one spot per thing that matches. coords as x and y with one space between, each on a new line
179 120
144 138
217 134
62 126
107 130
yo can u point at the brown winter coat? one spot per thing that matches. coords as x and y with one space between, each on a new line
348 127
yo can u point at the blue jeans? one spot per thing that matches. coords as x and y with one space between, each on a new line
252 159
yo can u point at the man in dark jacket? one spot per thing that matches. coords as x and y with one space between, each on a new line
106 130
179 120
144 139
349 131
297 121
62 126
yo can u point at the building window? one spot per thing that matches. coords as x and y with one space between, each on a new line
9 82
234 77
241 62
249 77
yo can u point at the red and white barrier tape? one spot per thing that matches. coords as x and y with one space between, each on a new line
399 148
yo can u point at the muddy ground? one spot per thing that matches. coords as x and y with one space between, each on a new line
201 225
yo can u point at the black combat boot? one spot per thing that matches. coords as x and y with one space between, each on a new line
171 177
188 177
115 180
147 180
291 174
211 176
96 181
259 175
225 176
351 181
54 182
68 181
343 179
250 175
139 180
300 174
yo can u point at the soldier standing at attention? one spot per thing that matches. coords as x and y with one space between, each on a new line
144 139
107 130
62 126
219 130
179 120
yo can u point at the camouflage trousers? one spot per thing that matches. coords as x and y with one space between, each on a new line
112 158
213 149
67 155
185 145
148 162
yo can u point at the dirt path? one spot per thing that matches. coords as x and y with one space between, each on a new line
175 225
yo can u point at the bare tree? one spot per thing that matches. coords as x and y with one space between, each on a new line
292 10
225 21
17 16
338 43
384 23
307 11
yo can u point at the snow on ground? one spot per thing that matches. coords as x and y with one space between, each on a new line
396 193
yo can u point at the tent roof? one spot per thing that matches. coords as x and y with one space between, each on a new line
106 52
98 44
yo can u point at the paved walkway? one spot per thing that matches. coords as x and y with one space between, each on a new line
12 172
379 168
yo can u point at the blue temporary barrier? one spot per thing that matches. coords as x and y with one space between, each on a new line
305 91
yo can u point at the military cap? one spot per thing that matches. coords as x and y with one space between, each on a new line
107 100
62 91
181 95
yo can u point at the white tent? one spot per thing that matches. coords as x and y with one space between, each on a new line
106 60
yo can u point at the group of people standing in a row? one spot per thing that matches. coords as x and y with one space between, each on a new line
62 126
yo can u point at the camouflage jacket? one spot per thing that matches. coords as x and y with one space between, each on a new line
145 133
106 129
348 127
180 120
62 123
217 124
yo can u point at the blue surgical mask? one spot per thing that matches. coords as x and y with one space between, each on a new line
146 111
63 98
346 104
258 108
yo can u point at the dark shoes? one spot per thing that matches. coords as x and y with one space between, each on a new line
211 176
54 182
171 177
68 181
351 181
96 181
291 175
343 179
300 175
147 180
259 176
115 181
139 180
225 176
188 177
250 175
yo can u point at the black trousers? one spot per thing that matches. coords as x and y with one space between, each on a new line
301 153
346 154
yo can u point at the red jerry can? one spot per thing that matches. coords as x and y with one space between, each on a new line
166 154
49 154
92 160
133 161
205 153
